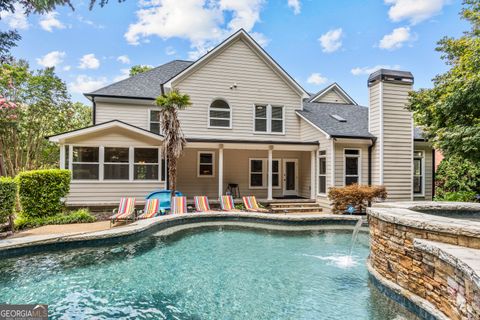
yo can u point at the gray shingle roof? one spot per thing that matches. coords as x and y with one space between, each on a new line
320 114
146 84
356 124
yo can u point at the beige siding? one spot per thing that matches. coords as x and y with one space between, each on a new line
331 96
375 128
308 132
325 145
257 83
236 170
340 163
428 180
397 142
114 137
133 114
99 193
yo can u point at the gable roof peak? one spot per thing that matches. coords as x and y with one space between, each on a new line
335 87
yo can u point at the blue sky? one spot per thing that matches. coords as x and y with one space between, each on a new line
317 42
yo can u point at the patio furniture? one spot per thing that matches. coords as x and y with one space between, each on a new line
165 199
227 204
125 211
151 209
201 204
251 204
233 189
179 205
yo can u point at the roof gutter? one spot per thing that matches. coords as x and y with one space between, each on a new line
93 96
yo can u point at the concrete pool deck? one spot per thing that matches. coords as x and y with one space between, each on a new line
68 235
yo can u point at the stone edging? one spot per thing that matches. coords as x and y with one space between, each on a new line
417 304
19 246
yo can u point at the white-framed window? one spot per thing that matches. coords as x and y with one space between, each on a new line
85 163
116 163
154 121
219 115
418 172
322 172
258 173
206 164
268 119
352 166
146 164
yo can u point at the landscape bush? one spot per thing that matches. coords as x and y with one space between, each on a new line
358 196
41 191
8 197
77 216
457 179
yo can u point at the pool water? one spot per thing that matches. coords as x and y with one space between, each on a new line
204 273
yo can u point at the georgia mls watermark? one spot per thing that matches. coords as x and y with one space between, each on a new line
23 312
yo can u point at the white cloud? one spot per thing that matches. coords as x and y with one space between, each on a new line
202 22
90 23
369 70
124 59
332 40
16 20
85 84
89 61
51 59
170 51
317 79
124 74
414 10
67 68
396 39
295 5
49 21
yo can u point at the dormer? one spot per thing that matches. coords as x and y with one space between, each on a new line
332 94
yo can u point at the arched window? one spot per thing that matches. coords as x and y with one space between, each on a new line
220 115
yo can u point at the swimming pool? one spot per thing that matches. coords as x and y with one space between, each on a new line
214 272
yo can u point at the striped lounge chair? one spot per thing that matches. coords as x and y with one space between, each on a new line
227 204
179 205
252 205
201 204
125 211
151 209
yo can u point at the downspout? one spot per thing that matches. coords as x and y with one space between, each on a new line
370 151
162 89
433 173
94 110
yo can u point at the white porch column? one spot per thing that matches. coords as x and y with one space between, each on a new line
270 173
220 171
62 156
313 178
70 157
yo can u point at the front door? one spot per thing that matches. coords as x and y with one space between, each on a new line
290 177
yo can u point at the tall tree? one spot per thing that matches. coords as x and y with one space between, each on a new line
139 68
33 105
174 143
449 112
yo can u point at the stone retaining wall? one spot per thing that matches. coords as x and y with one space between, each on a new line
424 273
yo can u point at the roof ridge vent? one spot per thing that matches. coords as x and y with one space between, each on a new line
338 118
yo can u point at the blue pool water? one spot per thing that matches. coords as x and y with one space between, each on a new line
204 273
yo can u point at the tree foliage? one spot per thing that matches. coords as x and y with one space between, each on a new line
174 143
139 69
457 179
33 105
449 112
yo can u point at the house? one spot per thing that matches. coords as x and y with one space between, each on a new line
250 124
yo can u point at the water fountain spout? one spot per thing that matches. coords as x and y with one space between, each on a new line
356 229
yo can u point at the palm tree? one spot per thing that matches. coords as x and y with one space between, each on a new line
175 141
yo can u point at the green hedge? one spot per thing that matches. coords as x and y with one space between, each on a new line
8 197
41 191
78 216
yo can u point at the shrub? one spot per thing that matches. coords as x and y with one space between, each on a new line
8 197
457 179
78 216
355 195
41 191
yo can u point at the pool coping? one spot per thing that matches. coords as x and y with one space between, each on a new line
406 214
24 245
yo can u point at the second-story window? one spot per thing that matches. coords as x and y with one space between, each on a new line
268 119
220 115
155 121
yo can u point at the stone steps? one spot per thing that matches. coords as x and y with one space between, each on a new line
296 207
